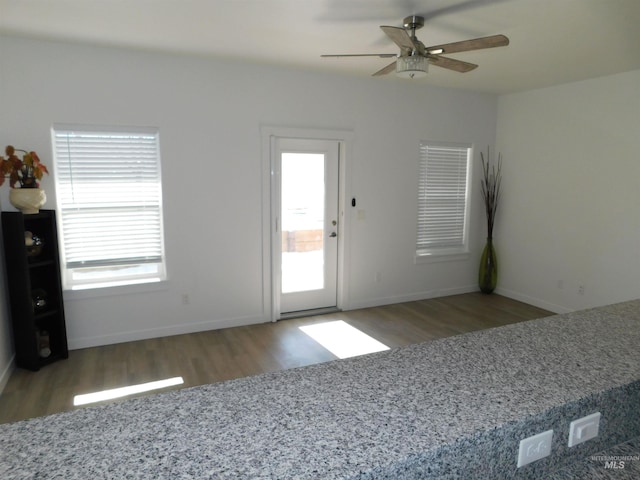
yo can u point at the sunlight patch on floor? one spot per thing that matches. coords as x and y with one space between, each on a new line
125 391
342 339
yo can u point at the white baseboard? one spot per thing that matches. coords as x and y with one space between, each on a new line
6 373
443 292
97 341
536 302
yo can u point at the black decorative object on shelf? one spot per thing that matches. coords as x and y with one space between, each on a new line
39 300
35 290
33 243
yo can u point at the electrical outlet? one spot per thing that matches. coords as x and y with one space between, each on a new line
584 429
534 448
581 289
185 299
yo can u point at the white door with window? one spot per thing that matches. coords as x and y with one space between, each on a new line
305 225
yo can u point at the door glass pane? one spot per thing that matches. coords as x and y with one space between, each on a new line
302 190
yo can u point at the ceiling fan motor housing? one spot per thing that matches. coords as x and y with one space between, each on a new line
413 22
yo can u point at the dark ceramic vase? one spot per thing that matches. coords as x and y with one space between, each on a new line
488 275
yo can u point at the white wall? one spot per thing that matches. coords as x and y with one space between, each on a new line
570 212
210 114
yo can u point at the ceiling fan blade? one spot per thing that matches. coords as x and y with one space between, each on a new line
388 69
468 45
380 55
400 37
451 64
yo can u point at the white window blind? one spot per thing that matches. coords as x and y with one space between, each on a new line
110 201
442 198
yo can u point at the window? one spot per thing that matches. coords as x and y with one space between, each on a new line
443 199
109 195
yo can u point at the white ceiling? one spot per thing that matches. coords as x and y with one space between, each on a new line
552 41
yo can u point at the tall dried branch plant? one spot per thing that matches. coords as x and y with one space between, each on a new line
492 177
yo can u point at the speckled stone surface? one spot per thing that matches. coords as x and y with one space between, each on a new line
452 408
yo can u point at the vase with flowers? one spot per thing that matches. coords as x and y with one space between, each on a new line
490 185
24 175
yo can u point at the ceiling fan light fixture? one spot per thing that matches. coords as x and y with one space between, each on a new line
412 66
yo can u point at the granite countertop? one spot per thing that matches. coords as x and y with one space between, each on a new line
377 416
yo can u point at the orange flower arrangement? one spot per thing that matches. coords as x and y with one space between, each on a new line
26 172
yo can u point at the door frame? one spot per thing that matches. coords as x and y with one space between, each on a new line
270 295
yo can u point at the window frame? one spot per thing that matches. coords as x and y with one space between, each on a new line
459 250
157 268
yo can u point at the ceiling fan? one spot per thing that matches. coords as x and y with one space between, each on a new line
414 57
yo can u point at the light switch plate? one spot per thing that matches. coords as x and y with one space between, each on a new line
584 429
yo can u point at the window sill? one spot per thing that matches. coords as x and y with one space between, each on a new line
131 289
441 257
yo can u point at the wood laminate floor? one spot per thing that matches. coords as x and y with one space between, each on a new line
219 355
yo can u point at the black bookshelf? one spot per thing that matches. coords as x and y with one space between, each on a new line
35 289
